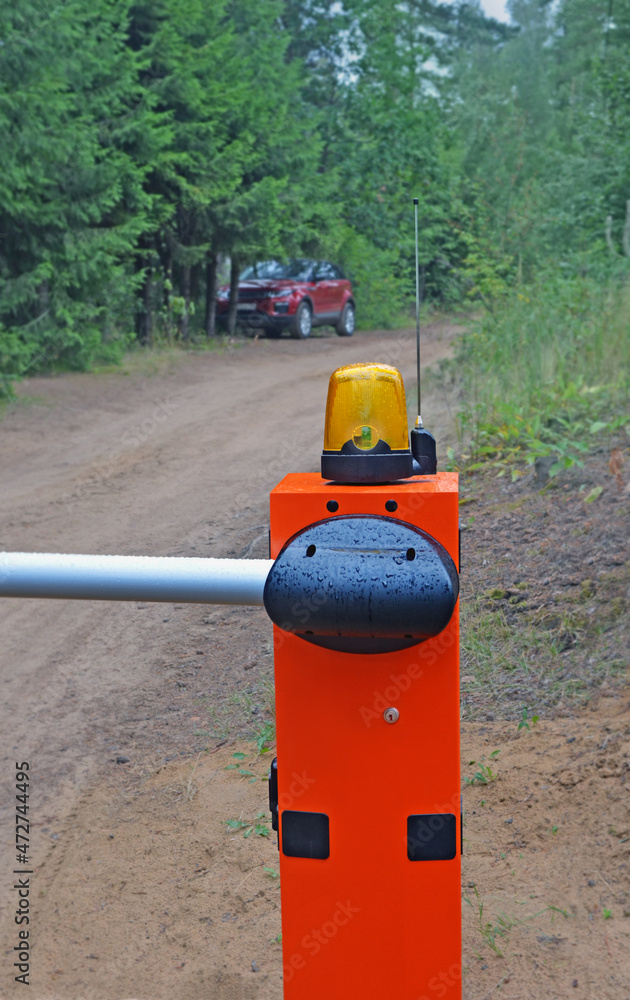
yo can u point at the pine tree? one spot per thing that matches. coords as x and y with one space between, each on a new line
71 188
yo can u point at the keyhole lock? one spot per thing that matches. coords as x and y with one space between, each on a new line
391 715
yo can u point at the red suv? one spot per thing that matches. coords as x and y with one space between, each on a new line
295 296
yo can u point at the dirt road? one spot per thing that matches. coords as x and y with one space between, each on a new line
145 884
172 455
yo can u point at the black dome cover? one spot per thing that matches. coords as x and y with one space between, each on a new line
363 584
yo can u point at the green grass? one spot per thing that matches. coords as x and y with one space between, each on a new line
484 774
520 668
257 827
494 930
247 713
546 375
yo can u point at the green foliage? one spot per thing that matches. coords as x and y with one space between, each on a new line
492 931
390 144
141 141
71 198
525 720
257 827
484 774
547 374
378 290
265 737
147 146
541 127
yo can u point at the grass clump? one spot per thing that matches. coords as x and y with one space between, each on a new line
493 930
484 773
545 375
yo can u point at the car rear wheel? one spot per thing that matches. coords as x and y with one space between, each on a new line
303 322
345 326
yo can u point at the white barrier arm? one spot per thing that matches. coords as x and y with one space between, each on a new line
133 578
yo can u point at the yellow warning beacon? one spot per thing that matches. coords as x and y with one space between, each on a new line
366 439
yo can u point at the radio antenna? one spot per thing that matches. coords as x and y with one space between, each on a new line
423 447
419 420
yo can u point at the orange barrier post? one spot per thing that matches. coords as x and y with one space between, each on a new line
368 776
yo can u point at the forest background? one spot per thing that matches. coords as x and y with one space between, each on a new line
144 146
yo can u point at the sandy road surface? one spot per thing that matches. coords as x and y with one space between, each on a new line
173 457
147 883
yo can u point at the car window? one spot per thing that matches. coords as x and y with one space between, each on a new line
299 270
296 269
263 269
325 271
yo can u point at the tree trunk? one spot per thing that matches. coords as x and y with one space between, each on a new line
195 281
168 294
609 239
144 317
211 295
186 290
626 231
231 316
148 313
